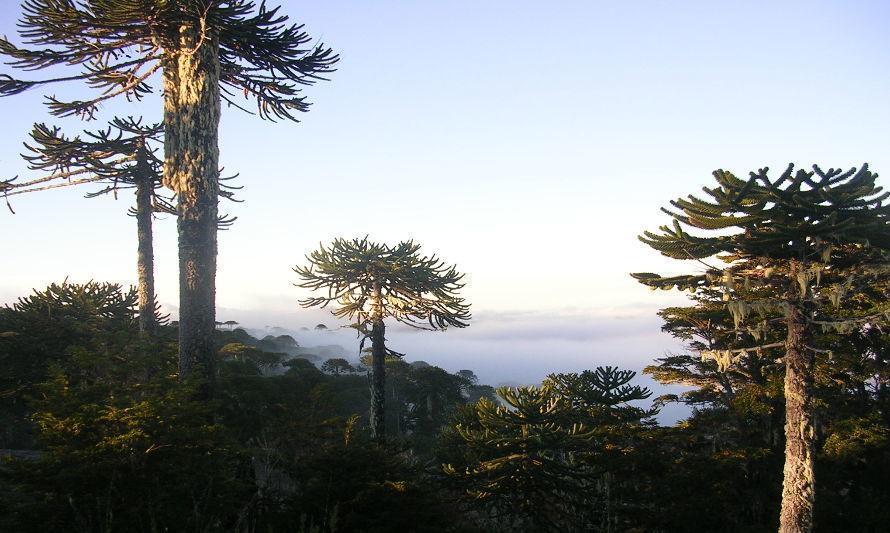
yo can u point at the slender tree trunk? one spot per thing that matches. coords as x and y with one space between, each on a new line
430 408
145 252
378 379
191 169
798 488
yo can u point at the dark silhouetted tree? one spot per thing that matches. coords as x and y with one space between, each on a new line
794 249
336 366
370 282
119 157
206 51
558 457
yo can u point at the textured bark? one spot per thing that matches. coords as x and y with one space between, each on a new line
145 251
798 488
378 379
191 169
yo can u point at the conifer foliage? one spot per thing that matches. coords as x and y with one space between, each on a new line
549 458
795 249
369 282
206 51
121 156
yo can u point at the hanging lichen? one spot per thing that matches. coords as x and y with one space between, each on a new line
724 358
759 331
790 232
763 307
739 310
728 284
805 276
841 327
803 282
816 273
836 293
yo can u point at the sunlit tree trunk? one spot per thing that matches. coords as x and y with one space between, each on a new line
145 247
191 168
378 371
798 488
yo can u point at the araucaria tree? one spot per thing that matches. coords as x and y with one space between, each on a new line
206 51
122 156
795 250
369 282
118 157
550 458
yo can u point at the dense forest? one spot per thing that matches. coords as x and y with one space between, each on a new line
100 434
114 418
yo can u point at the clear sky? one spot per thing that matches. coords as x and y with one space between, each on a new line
527 142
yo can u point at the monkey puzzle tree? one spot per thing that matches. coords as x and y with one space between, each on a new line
119 157
549 458
370 282
750 390
516 461
206 51
795 248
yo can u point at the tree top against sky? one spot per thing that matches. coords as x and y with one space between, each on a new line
799 215
363 278
117 45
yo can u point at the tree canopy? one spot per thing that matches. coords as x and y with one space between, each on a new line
117 45
369 282
363 278
206 51
794 247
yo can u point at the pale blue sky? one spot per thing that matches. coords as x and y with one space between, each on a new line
528 142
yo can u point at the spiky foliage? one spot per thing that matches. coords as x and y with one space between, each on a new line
605 386
49 329
122 156
557 457
600 400
520 466
364 278
369 282
795 249
113 424
112 156
793 217
206 51
117 45
706 327
739 416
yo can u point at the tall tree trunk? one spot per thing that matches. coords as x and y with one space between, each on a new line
378 379
191 169
145 251
798 488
